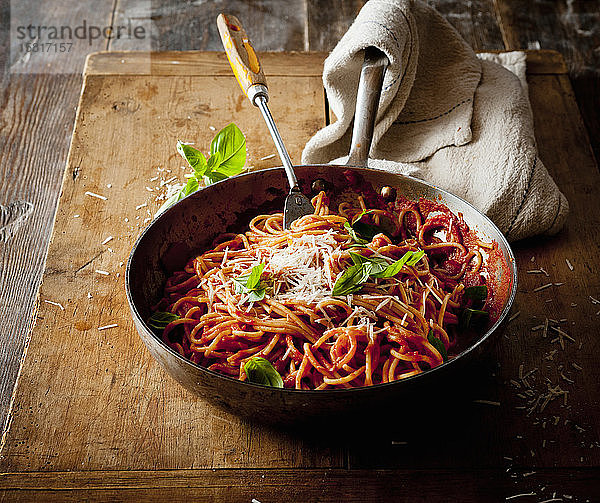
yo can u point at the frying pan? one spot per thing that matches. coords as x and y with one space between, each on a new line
193 223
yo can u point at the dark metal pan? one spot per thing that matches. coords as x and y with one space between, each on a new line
193 223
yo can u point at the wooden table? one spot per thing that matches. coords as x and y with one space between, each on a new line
95 418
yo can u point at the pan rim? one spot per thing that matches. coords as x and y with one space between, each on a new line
446 366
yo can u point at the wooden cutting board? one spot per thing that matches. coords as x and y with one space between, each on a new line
94 416
98 400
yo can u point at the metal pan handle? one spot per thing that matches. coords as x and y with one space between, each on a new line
367 104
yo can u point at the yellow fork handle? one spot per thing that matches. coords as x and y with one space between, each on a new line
242 58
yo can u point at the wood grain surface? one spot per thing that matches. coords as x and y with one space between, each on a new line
37 117
325 29
126 133
271 24
193 63
32 161
324 486
475 21
571 27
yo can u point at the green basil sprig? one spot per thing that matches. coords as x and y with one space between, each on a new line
437 344
374 265
251 284
410 258
476 292
260 371
227 158
473 318
377 267
351 280
161 319
357 239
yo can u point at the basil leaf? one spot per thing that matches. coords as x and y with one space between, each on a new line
254 277
161 319
476 292
256 295
353 234
211 175
240 283
377 267
214 161
191 186
214 177
260 371
227 158
409 258
377 264
250 284
396 267
358 259
415 258
437 344
194 157
352 279
473 318
366 231
230 143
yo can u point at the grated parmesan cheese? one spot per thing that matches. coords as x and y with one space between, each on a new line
508 498
434 294
167 182
301 270
92 194
55 304
543 287
384 303
106 327
487 402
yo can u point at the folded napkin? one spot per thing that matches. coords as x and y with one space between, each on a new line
460 122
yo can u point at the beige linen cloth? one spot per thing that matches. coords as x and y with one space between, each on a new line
460 122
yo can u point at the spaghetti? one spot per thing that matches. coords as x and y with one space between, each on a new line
394 320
